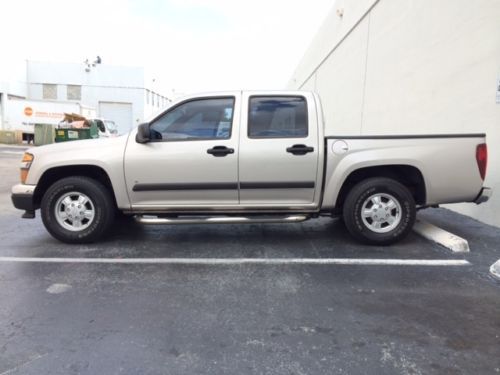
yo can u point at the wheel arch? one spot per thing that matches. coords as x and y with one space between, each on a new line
408 175
54 174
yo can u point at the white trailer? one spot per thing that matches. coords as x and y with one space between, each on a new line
22 114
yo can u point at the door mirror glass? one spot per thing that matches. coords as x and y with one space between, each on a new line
100 126
143 135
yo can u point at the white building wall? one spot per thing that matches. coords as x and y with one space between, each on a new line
411 67
13 77
12 83
99 83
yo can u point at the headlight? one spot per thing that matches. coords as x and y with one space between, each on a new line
25 166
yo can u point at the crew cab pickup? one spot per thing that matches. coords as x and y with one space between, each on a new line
246 157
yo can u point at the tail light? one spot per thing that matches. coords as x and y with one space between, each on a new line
482 159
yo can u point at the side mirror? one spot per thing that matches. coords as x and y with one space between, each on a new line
142 135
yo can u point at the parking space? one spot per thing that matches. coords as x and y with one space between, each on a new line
196 317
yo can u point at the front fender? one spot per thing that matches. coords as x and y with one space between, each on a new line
106 154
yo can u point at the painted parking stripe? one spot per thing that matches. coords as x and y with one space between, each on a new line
12 152
236 261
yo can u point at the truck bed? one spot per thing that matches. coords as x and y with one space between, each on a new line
446 162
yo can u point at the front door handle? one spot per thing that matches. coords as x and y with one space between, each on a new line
218 151
299 149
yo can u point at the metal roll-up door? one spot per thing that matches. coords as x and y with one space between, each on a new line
120 113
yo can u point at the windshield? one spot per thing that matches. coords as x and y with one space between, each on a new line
111 126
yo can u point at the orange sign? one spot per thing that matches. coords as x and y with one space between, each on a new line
28 111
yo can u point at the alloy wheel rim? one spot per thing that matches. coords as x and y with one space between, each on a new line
381 213
74 211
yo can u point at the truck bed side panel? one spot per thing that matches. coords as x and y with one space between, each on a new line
447 163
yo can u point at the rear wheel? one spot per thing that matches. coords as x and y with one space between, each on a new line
379 211
77 210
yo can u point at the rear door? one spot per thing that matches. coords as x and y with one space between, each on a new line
279 149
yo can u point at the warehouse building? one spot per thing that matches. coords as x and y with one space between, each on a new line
411 67
12 86
119 93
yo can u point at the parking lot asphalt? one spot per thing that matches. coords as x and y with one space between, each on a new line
164 318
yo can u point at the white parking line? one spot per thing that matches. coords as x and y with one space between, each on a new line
237 261
12 152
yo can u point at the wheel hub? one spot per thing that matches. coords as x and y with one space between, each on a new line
381 212
74 211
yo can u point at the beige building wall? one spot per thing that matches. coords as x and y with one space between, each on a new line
411 67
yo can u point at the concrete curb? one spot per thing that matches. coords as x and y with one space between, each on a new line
441 237
495 269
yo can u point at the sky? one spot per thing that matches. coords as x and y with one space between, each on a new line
185 45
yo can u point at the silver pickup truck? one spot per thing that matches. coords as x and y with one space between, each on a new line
246 157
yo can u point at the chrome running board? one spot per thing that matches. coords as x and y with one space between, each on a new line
152 220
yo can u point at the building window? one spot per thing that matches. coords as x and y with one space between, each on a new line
147 96
49 91
74 92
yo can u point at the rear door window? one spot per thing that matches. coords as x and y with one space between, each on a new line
277 117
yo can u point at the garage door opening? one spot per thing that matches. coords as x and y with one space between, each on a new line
120 113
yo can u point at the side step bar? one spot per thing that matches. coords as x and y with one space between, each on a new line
151 220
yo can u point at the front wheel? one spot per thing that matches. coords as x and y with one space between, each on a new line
77 210
379 211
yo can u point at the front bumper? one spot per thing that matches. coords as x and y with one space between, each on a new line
484 195
23 197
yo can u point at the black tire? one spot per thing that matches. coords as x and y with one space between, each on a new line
362 229
102 205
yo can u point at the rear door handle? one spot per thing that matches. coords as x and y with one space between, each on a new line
218 151
299 149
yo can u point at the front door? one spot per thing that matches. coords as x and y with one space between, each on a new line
192 158
279 151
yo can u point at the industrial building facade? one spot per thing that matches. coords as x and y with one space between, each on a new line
411 67
118 93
